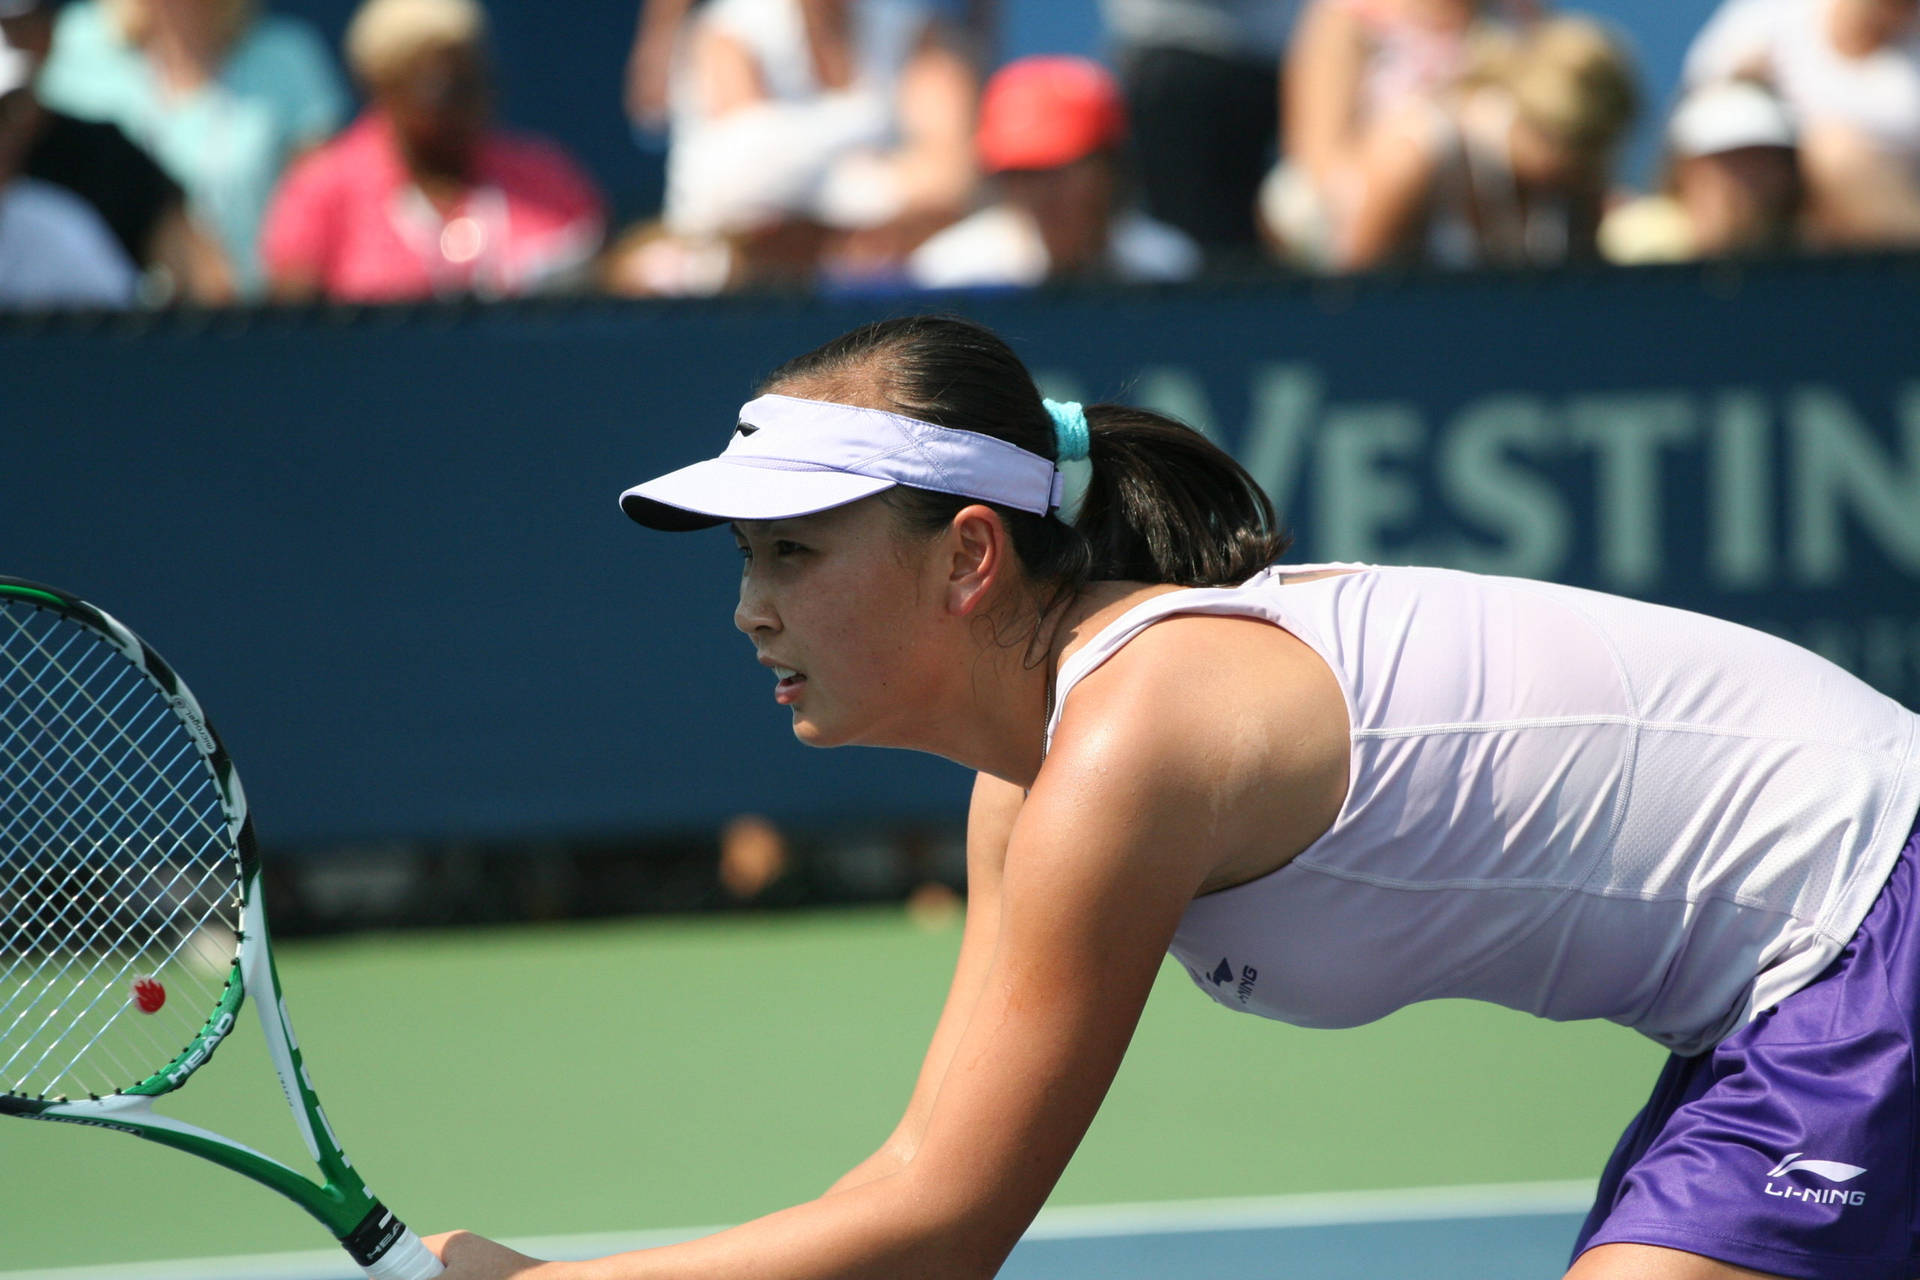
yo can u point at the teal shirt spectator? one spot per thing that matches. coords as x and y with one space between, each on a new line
226 142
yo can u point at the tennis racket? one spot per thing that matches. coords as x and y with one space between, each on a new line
131 926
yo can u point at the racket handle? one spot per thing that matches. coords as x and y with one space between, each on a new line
408 1259
387 1249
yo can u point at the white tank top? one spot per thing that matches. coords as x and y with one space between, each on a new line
1565 802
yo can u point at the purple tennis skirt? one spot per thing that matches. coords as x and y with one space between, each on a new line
1790 1147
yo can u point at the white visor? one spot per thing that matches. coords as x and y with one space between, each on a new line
792 457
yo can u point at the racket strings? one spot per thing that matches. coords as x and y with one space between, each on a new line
141 956
91 716
52 802
94 901
116 864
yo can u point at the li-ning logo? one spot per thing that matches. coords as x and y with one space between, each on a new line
1831 1170
1223 974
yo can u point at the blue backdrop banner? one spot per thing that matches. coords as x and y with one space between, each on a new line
385 548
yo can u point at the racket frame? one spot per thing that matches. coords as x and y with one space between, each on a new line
384 1246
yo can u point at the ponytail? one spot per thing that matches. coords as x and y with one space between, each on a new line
1164 504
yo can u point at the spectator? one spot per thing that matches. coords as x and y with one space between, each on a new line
54 249
806 128
1509 168
1732 185
143 207
1849 71
422 196
657 38
650 63
224 97
1353 64
1202 80
754 857
1050 132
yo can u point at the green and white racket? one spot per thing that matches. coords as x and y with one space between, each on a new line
131 927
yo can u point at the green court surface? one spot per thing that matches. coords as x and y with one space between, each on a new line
656 1073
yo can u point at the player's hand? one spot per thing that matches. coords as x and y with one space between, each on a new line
471 1257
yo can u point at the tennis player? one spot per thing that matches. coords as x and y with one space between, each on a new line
1330 791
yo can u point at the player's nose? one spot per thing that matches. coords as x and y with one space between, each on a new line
754 613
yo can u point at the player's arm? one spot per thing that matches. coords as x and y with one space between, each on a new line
990 819
1651 1262
1104 857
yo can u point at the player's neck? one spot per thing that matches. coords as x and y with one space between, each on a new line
992 717
1009 698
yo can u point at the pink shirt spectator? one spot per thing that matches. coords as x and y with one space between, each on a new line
350 219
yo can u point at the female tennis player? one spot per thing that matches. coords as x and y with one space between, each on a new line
1331 791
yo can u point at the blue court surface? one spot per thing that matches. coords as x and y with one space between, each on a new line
1511 1232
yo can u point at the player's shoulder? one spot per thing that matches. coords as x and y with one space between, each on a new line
1197 690
1184 655
1224 733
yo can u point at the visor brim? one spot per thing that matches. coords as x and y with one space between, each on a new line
718 491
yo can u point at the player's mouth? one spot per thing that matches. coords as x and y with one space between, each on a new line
788 687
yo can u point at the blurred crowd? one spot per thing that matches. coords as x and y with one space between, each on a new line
217 151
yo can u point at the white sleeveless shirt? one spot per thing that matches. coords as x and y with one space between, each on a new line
1565 802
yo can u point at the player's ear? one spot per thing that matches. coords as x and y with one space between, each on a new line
979 556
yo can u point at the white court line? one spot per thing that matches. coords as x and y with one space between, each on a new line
1311 1209
1068 1222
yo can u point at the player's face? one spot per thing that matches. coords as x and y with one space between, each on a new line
841 605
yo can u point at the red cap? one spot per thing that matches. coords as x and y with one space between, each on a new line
1042 112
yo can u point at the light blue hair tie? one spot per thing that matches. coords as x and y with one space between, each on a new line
1071 441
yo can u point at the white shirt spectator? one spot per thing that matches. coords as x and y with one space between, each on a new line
56 252
1000 245
886 32
1786 43
778 157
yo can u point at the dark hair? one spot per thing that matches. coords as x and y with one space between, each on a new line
1165 503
